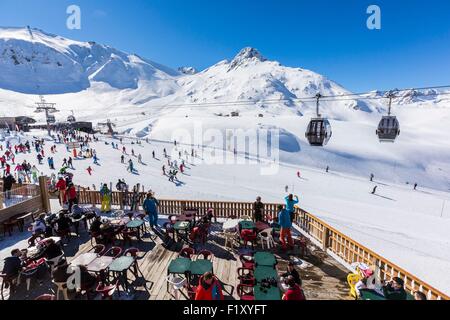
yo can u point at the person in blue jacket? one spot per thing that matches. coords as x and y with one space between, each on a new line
150 206
290 203
285 222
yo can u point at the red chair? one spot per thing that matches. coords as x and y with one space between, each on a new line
133 252
247 261
114 252
107 292
246 276
206 255
128 234
172 219
247 236
191 290
245 292
46 297
168 228
99 249
186 253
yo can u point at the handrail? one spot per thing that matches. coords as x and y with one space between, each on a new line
331 239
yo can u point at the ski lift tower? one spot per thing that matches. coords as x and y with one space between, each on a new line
49 109
109 127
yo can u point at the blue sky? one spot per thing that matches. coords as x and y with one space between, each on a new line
327 36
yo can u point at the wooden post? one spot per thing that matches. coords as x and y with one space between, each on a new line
44 194
325 238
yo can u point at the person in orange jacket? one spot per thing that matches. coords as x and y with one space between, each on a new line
209 288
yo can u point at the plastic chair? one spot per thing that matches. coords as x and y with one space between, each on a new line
47 297
266 238
133 252
230 239
246 218
61 287
206 255
186 252
168 228
248 236
99 249
247 261
245 276
172 219
114 252
107 292
245 292
352 280
176 284
52 263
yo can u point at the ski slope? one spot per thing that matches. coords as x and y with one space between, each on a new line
408 227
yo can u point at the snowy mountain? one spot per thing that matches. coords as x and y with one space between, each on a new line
146 99
36 62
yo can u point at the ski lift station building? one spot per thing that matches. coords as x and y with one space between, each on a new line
12 123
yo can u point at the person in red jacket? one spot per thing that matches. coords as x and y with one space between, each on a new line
209 288
294 291
72 196
61 187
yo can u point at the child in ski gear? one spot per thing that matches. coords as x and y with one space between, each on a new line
105 194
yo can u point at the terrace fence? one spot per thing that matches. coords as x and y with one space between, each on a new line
332 241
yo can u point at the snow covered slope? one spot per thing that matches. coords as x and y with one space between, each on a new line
146 99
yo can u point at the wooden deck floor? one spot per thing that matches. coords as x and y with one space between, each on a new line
325 279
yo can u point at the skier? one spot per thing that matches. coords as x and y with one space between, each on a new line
39 157
164 170
70 164
89 170
165 153
153 154
150 206
122 159
132 152
374 190
64 163
75 153
286 188
130 166
95 159
139 158
181 168
327 169
415 186
371 177
298 174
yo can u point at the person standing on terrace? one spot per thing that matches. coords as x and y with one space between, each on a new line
150 206
290 203
258 210
284 220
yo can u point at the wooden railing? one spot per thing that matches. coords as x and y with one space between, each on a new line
331 240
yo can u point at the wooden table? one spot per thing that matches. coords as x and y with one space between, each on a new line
231 224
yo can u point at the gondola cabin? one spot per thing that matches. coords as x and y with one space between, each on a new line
388 129
318 132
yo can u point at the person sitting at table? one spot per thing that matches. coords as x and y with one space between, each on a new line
63 223
394 290
258 210
292 272
209 288
418 295
294 291
51 250
61 273
96 225
13 264
284 219
38 229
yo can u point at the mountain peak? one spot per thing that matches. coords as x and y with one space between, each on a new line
246 54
